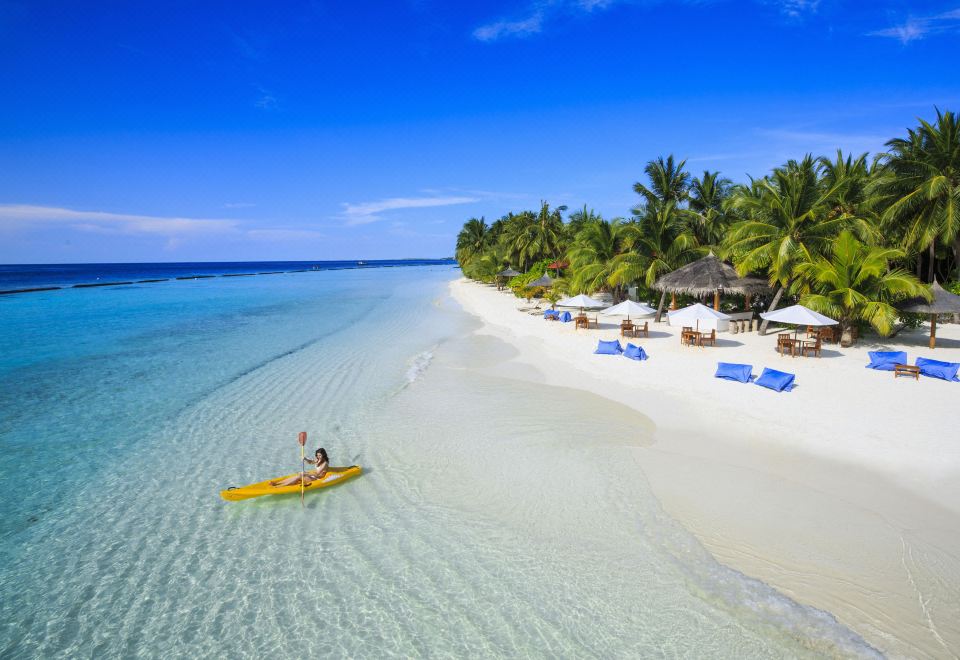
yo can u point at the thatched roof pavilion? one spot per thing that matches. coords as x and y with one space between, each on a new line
706 276
943 302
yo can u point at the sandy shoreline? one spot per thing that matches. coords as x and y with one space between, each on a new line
843 494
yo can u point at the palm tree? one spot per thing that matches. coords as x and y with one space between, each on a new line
472 240
578 219
663 241
923 191
668 182
598 258
529 237
707 196
855 282
787 221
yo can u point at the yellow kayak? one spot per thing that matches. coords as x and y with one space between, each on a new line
331 478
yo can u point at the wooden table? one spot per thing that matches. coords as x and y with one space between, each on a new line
906 370
627 329
581 321
691 338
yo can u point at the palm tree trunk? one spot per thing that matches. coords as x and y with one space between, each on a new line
956 256
663 301
931 268
773 306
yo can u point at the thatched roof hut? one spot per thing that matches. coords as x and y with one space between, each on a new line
545 281
942 302
706 276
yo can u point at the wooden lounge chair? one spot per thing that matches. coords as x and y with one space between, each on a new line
709 339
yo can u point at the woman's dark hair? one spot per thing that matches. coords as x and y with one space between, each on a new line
323 453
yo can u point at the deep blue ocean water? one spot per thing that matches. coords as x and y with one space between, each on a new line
28 276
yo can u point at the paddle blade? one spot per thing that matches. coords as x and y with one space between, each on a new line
302 438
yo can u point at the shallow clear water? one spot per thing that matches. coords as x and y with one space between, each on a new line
496 516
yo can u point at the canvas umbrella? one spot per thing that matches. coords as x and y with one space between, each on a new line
581 301
798 315
942 302
629 308
694 314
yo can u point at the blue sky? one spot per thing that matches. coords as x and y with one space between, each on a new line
136 131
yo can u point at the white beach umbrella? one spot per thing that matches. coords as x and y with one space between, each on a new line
629 308
695 313
581 301
797 315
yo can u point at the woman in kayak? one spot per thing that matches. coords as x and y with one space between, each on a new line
320 460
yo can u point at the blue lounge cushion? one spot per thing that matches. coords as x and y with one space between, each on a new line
609 347
779 381
742 373
551 313
885 360
939 369
565 317
635 352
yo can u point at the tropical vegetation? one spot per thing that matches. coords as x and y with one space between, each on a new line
847 235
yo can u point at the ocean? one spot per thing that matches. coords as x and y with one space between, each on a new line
496 516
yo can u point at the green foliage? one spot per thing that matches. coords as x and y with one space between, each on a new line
804 226
953 287
855 283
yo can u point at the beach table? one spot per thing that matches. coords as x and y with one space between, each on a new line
691 338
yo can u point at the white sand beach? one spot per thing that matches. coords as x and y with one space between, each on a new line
843 494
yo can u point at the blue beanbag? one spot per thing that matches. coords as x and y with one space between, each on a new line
551 313
609 348
938 369
884 360
635 352
742 373
565 317
779 381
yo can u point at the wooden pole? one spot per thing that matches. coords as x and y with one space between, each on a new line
302 439
933 331
716 300
746 304
673 300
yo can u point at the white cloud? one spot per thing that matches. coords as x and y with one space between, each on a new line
915 29
539 12
238 205
366 212
797 8
504 28
26 215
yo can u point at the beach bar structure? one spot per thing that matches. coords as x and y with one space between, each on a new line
942 302
706 276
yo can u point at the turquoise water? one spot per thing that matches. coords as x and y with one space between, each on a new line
483 525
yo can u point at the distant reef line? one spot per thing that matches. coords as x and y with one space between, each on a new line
95 285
